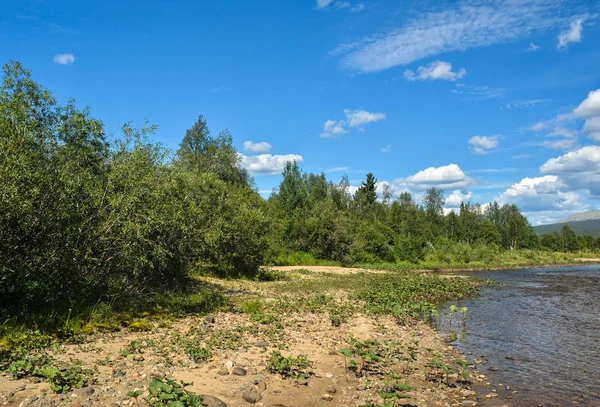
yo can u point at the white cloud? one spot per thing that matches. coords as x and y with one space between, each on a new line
563 144
446 177
357 8
525 103
220 89
560 131
521 156
466 25
387 148
64 59
592 127
321 4
262 147
435 70
482 144
479 92
354 118
590 107
337 169
585 159
457 197
267 164
532 47
541 194
573 34
578 169
333 128
589 110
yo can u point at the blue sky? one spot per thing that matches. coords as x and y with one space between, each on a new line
484 99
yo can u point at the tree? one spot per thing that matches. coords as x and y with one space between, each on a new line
203 153
366 195
569 239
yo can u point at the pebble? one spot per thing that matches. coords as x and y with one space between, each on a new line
326 397
223 371
261 344
238 371
261 386
252 395
331 389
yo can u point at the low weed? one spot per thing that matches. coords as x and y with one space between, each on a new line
295 367
169 393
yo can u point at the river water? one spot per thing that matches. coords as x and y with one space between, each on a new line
540 334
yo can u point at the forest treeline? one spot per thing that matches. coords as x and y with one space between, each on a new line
85 217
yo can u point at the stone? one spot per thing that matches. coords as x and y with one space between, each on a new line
212 401
85 391
331 389
326 397
261 386
223 371
252 395
261 344
229 364
238 371
467 393
210 319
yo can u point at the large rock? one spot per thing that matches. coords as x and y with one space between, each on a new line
212 401
252 395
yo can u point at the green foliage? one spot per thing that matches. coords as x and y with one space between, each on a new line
252 305
85 220
167 392
295 367
196 352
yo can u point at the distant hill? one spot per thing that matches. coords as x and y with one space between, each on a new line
583 216
585 223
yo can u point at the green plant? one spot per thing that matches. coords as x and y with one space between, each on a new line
463 312
452 310
252 305
65 379
163 391
295 367
196 352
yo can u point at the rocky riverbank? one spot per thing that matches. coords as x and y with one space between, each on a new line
267 351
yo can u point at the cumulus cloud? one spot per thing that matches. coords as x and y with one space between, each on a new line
592 127
589 110
590 107
578 169
262 147
457 197
386 149
462 26
354 118
333 128
267 164
64 59
435 70
482 144
573 34
541 194
446 177
532 47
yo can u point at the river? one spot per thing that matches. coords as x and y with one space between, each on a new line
540 334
